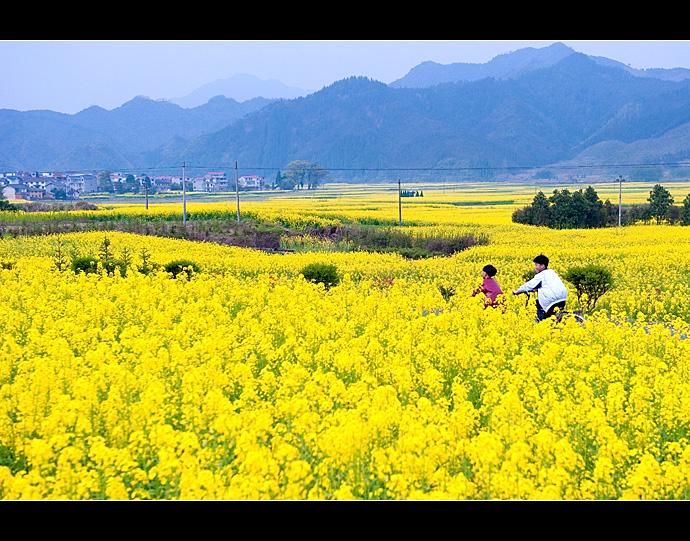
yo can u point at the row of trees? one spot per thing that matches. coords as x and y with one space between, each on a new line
584 209
130 184
300 173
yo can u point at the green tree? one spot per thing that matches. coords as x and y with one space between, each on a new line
685 211
147 185
278 181
561 209
286 182
6 205
596 214
591 282
610 213
540 209
59 193
660 201
131 184
301 172
104 182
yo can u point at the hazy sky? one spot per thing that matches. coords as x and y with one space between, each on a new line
69 76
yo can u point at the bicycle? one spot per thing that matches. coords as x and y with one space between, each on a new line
577 315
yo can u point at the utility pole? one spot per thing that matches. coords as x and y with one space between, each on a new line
399 204
237 192
146 191
184 196
621 180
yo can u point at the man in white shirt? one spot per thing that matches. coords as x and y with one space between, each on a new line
551 291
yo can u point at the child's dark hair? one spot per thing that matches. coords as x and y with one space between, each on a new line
542 260
490 270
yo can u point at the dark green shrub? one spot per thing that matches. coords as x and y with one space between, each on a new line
591 282
528 275
112 265
147 266
60 260
323 273
86 264
105 252
182 265
446 291
7 206
414 252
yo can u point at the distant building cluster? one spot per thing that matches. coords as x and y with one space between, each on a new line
46 185
71 185
217 181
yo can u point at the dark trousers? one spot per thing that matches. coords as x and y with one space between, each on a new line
542 315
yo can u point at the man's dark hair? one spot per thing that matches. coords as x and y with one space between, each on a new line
490 270
542 260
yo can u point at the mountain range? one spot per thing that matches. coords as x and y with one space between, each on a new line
535 107
515 64
240 87
96 138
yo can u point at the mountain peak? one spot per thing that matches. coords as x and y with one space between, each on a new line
504 66
93 110
561 47
352 86
241 87
220 99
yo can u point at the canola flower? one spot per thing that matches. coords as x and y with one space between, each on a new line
247 382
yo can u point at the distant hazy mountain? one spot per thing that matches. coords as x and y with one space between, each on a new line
577 109
515 64
97 138
671 146
240 87
505 66
541 117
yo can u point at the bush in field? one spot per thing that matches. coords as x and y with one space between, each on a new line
685 211
6 205
446 291
182 265
110 264
323 273
528 275
115 264
6 265
451 245
591 282
147 266
386 239
86 264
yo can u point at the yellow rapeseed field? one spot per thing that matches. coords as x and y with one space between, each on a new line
248 382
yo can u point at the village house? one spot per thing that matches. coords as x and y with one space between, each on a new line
202 184
13 179
35 193
82 182
162 183
41 184
52 187
251 181
9 192
13 192
217 181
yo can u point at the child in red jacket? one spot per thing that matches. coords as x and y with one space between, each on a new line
489 287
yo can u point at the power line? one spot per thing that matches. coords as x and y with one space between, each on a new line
590 166
379 169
